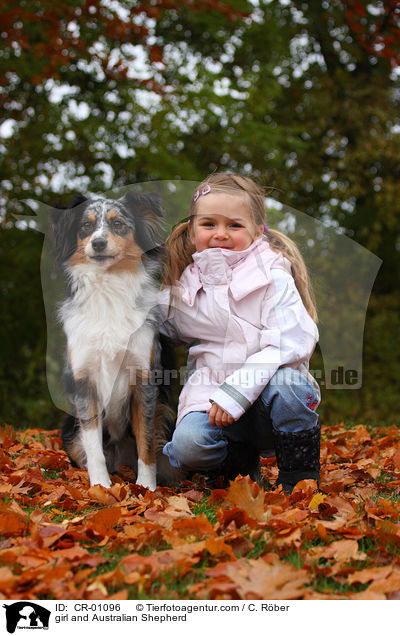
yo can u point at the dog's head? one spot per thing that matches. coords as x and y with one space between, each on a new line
109 234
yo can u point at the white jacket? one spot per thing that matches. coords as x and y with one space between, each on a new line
241 318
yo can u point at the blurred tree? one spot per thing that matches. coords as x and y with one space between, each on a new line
376 28
79 81
24 397
306 97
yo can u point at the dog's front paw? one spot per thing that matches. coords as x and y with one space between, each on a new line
102 480
147 475
151 485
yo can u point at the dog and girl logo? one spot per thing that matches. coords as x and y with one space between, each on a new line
26 615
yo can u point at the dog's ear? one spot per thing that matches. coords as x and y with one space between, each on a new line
65 221
143 203
147 211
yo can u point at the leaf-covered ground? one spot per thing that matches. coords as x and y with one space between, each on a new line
60 539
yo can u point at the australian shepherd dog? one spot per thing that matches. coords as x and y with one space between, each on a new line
108 250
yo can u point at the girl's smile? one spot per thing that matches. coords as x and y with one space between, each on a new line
223 220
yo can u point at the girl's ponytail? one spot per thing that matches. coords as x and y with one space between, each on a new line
281 243
179 250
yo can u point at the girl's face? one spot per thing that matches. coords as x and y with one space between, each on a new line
223 220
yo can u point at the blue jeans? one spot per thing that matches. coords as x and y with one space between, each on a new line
286 404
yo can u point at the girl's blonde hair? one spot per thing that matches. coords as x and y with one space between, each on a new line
179 248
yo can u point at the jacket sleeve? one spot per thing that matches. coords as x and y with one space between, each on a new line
166 317
288 337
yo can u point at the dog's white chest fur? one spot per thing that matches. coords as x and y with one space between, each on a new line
108 337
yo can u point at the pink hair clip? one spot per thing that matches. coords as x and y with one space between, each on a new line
205 190
265 227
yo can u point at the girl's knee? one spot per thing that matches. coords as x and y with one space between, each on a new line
291 401
290 383
196 447
186 441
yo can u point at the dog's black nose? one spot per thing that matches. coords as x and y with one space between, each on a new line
99 244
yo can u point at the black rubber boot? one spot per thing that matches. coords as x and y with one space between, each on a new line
297 456
242 459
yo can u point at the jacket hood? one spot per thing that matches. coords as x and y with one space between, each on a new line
243 271
230 257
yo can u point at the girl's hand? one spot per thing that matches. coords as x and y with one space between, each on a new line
219 417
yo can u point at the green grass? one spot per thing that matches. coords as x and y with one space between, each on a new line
150 548
385 477
54 517
208 509
113 559
372 426
258 549
329 585
51 474
40 437
374 547
349 425
172 582
295 559
368 544
169 585
387 494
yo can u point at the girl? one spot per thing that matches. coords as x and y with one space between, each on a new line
238 295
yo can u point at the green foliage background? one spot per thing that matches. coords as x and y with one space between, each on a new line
304 96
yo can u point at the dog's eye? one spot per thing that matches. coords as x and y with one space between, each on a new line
87 225
118 225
